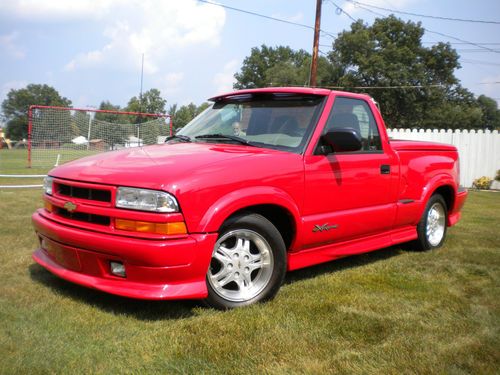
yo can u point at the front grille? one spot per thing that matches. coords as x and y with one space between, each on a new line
84 193
82 216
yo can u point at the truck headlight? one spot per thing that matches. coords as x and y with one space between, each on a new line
145 200
47 184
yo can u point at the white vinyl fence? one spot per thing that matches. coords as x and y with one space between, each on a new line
479 150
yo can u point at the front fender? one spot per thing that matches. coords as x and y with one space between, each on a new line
240 199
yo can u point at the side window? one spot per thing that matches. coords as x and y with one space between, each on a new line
355 114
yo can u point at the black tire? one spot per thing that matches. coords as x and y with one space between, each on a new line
432 227
250 257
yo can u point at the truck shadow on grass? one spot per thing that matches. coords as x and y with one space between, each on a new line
162 310
139 309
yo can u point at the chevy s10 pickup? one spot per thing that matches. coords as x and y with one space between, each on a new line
263 182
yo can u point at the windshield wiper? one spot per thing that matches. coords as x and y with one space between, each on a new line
226 137
182 138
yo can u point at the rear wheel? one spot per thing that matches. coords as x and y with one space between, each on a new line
432 226
248 263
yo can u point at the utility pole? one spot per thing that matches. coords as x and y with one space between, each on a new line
314 64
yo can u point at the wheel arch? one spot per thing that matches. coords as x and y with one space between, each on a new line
444 185
275 205
281 218
448 194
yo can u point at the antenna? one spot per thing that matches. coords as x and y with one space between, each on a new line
142 77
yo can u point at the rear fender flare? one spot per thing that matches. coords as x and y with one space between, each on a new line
432 185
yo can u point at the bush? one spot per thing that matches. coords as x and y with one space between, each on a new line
497 178
482 183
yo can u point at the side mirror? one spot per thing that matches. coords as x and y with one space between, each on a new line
343 139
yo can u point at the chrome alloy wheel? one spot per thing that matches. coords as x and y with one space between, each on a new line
241 265
436 224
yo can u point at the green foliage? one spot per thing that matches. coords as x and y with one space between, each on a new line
491 113
181 116
111 117
15 107
280 66
497 177
483 183
151 102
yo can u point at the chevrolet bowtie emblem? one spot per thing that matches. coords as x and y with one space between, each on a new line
70 206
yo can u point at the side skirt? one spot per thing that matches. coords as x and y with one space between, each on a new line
330 252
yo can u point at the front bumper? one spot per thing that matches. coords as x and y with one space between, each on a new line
155 269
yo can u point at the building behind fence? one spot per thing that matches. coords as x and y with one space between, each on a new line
479 150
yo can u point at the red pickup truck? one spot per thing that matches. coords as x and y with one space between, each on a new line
263 181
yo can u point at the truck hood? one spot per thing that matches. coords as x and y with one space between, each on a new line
155 166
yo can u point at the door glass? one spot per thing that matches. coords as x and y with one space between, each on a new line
355 114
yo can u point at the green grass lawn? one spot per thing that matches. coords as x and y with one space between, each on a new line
15 162
391 311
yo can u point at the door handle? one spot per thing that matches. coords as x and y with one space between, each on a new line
385 169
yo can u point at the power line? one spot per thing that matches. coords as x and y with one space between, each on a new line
479 62
427 30
383 87
458 50
265 16
474 50
424 15
484 44
339 11
461 40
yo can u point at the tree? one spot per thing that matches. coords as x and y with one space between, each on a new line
106 105
490 111
424 90
181 116
280 66
112 128
151 102
15 106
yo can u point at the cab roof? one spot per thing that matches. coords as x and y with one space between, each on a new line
284 90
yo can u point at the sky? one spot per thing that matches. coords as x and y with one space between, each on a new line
91 50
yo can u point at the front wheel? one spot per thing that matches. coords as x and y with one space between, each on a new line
248 263
432 226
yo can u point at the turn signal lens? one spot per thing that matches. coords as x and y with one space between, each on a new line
149 227
48 206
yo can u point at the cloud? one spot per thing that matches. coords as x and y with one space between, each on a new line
170 83
59 10
10 45
224 80
158 29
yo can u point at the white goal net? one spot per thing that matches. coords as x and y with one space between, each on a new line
59 134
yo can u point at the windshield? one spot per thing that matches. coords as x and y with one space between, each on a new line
278 121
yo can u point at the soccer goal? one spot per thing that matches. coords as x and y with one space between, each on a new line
60 134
